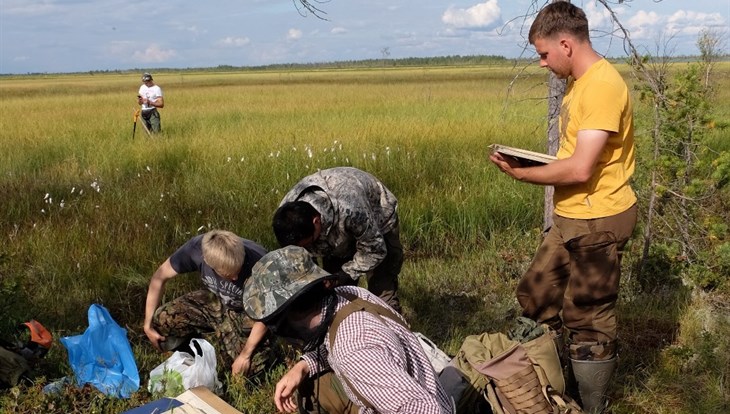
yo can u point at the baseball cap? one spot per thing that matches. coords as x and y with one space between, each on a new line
146 77
277 279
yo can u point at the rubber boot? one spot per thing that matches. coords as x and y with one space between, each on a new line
593 378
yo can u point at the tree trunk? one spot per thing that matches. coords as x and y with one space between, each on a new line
652 190
684 223
556 91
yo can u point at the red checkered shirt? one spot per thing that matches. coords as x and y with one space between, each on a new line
375 354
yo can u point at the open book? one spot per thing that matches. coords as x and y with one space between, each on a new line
525 157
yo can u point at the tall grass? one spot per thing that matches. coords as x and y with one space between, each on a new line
89 212
84 198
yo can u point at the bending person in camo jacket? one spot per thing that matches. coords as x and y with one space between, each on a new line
224 262
349 219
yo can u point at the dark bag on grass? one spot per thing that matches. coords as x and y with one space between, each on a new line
12 367
17 357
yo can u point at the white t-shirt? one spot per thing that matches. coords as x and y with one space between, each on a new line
151 93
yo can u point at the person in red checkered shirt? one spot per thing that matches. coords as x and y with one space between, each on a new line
359 354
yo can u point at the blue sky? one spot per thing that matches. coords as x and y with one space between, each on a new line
83 35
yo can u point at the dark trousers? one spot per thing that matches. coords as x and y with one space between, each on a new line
575 276
383 280
324 394
151 119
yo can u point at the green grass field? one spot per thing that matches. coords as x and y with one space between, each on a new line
89 211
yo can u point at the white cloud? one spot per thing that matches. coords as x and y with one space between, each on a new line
154 54
645 25
29 8
691 22
294 34
194 29
450 32
44 29
650 25
642 18
598 16
231 41
481 16
710 19
119 48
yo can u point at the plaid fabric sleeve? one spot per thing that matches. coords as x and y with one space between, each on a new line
386 365
317 365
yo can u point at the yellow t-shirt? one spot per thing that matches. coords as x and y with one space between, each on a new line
598 100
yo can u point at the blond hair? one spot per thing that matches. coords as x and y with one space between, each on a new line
223 251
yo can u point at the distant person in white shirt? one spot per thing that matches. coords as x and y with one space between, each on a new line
150 98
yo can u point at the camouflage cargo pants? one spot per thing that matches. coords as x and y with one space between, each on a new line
383 280
201 314
574 279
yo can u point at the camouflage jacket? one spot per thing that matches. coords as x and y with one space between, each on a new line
356 211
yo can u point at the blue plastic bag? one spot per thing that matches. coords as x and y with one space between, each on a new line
102 356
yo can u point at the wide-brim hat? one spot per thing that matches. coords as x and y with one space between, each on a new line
277 279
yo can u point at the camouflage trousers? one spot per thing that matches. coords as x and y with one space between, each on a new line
383 280
573 280
201 314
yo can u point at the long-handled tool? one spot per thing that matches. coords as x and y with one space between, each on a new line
137 113
146 129
135 118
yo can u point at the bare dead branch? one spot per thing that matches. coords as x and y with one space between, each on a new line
308 6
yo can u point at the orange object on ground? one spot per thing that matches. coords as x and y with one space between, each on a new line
39 334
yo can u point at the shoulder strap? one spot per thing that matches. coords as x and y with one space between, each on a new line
356 305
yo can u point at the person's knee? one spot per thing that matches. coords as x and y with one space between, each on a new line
595 323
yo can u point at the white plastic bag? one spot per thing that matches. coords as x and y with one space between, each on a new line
439 359
182 371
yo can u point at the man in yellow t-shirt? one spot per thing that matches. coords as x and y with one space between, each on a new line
573 280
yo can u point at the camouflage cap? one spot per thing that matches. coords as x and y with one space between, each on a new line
277 279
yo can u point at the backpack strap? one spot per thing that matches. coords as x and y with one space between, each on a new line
357 304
